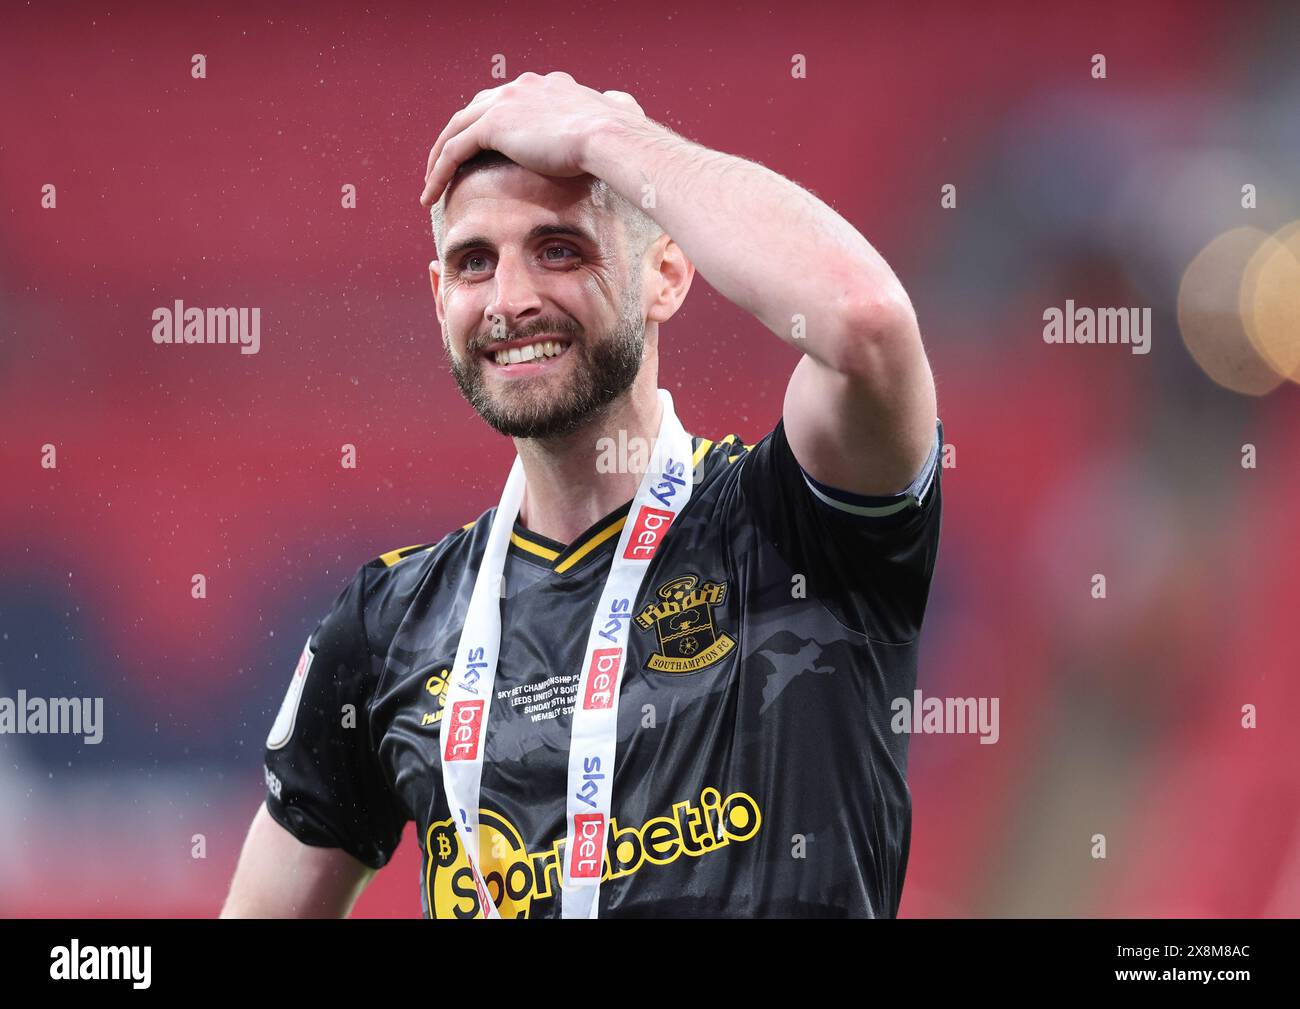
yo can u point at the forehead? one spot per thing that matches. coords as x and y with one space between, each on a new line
503 199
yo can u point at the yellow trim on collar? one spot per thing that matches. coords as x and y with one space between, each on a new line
596 538
613 529
534 548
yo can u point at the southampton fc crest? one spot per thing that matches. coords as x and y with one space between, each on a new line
682 616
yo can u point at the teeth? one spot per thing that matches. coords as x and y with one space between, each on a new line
530 352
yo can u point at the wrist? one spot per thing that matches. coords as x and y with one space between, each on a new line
611 142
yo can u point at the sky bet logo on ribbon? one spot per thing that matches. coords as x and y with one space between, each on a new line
466 729
601 679
588 859
672 481
620 611
474 666
652 523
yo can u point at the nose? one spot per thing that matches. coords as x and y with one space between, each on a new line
514 297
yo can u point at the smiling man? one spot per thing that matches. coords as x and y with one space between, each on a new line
656 688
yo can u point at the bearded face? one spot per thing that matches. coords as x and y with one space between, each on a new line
548 376
540 301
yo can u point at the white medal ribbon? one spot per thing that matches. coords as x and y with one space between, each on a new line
665 488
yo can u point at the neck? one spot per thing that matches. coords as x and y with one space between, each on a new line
566 492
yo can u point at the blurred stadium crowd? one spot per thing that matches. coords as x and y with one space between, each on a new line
1120 716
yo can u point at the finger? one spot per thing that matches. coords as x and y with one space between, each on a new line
455 124
458 149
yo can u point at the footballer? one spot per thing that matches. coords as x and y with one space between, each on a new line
655 679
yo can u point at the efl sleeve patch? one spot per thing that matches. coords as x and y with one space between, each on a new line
282 730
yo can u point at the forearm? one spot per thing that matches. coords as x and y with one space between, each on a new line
764 242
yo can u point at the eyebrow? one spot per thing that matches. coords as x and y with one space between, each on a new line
541 231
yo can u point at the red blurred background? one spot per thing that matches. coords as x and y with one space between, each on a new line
1119 716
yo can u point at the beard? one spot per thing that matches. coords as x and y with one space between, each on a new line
604 367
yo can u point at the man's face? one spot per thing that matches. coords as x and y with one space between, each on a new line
541 323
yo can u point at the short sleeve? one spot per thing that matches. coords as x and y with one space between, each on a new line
324 782
869 559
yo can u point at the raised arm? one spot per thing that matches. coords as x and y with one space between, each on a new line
860 407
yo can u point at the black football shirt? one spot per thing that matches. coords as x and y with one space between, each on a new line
756 770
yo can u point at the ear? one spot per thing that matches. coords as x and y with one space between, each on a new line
673 274
435 279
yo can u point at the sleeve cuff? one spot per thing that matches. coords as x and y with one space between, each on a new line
882 506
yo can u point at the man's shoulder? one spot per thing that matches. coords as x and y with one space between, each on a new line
403 563
389 582
715 456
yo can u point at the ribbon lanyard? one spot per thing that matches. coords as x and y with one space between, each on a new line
665 488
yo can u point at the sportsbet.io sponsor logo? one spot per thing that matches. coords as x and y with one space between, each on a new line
516 877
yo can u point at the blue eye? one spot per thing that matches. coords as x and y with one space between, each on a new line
556 248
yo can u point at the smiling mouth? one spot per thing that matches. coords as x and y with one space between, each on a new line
535 351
